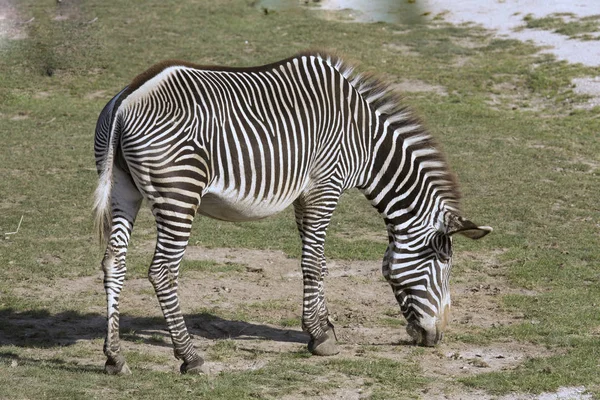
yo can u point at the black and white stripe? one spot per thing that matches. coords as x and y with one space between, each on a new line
244 143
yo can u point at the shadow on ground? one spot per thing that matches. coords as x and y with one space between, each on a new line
9 357
42 329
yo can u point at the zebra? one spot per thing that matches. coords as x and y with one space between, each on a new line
239 144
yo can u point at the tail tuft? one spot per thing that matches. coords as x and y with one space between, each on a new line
102 204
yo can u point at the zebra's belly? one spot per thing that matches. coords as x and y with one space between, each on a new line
234 209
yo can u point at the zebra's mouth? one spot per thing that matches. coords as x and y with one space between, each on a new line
422 337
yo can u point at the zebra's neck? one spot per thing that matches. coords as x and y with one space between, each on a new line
406 178
410 183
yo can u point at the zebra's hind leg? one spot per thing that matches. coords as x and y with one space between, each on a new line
315 209
126 201
173 226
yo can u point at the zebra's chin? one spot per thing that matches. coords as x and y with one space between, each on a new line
423 337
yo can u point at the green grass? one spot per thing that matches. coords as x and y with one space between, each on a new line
50 378
209 266
389 379
223 350
575 368
565 24
530 172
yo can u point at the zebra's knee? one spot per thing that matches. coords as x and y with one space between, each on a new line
109 260
154 275
161 276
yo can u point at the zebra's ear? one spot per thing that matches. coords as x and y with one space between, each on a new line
466 228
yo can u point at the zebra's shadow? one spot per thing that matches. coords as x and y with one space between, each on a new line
212 327
43 329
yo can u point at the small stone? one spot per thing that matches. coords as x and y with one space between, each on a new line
250 268
479 363
14 364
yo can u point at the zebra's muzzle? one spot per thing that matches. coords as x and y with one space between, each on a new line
423 337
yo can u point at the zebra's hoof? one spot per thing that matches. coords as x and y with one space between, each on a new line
196 367
324 346
117 366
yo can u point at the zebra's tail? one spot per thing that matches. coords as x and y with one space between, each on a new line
108 131
102 201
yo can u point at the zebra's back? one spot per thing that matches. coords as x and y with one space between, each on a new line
248 141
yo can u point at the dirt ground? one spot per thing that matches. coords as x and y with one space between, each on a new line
267 291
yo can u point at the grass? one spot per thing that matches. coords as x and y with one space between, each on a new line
527 164
209 266
223 349
566 24
38 378
576 368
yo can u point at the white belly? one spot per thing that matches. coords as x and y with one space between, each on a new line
232 208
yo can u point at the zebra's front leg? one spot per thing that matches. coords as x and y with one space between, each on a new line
164 276
324 319
314 314
385 264
323 313
317 208
387 261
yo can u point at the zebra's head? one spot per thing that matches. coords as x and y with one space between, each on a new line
421 273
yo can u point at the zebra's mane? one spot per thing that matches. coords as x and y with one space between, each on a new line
388 103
